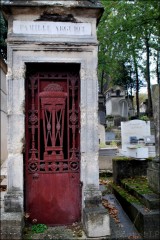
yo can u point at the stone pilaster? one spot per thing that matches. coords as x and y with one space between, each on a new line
12 217
13 200
95 217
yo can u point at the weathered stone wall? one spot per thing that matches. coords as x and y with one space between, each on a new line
128 168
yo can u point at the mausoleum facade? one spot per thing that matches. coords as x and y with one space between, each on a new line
53 114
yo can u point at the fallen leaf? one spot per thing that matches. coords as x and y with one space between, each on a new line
111 209
133 237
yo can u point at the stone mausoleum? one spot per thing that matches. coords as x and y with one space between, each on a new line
53 173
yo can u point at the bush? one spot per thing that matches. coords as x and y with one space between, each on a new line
144 118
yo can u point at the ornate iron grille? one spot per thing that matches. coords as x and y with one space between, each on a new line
52 123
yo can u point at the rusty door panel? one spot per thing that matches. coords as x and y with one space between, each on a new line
52 162
54 200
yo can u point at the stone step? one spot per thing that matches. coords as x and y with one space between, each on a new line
150 200
145 220
122 228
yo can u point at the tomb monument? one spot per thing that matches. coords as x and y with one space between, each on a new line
53 173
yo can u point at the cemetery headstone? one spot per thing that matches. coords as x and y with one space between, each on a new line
133 136
134 129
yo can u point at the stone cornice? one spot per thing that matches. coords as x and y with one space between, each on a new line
79 8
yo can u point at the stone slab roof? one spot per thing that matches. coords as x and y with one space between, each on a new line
93 7
82 3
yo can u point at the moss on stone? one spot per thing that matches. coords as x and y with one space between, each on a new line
129 198
122 158
138 184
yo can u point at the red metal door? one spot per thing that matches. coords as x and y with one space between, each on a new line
52 163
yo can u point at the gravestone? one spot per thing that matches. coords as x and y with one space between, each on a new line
101 133
53 41
110 136
133 128
133 136
153 172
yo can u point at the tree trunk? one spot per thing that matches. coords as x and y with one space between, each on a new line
158 67
150 111
137 86
102 81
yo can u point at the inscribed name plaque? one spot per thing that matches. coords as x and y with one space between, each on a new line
52 28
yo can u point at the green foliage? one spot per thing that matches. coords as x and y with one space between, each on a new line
39 228
109 117
3 36
123 31
144 118
113 144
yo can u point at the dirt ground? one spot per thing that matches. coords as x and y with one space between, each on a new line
62 232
